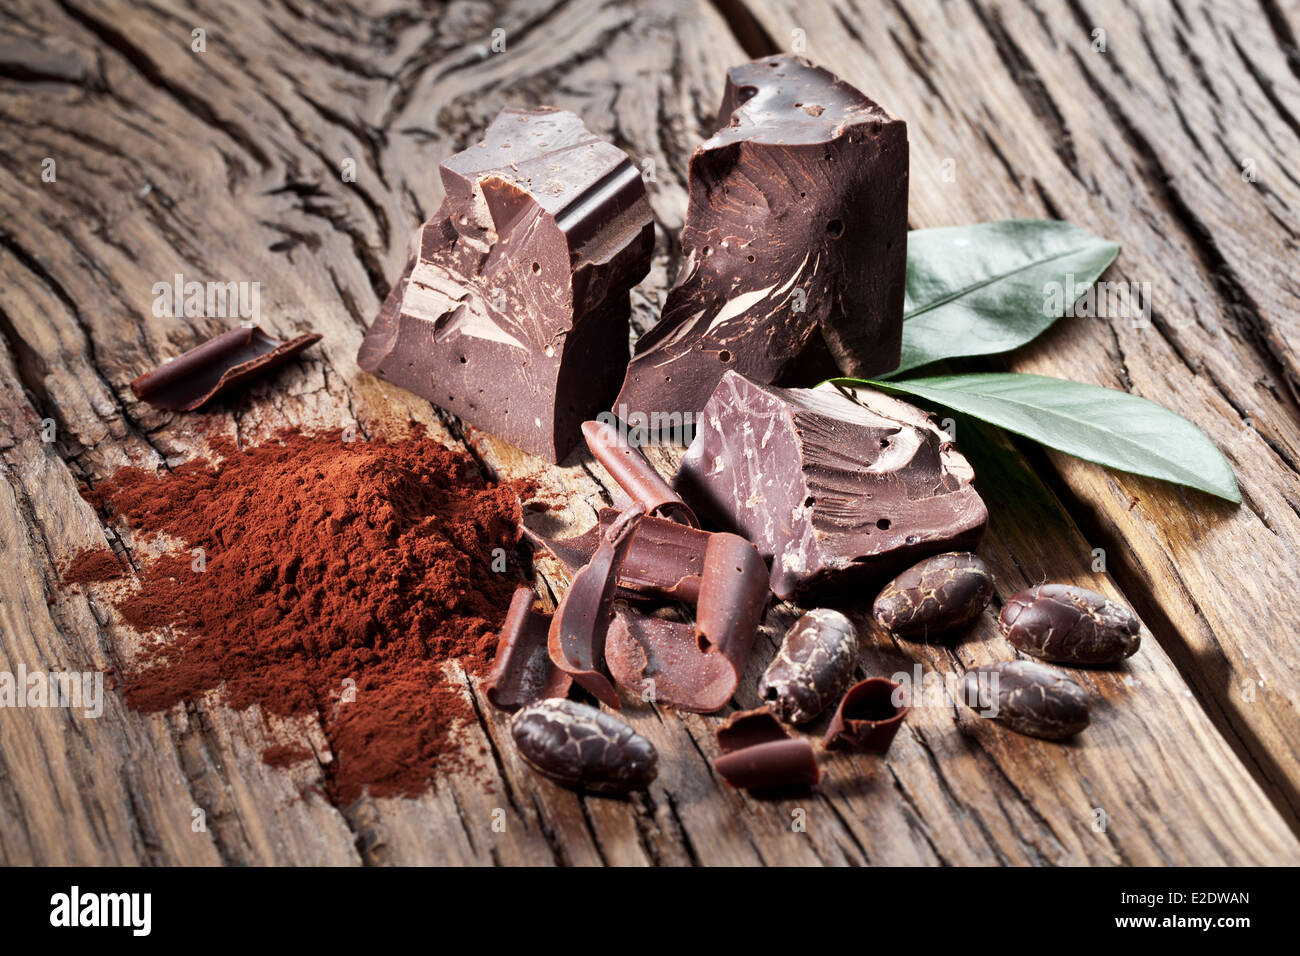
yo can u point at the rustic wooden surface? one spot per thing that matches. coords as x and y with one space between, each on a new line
225 165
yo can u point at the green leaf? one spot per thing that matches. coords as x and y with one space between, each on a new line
991 287
1101 425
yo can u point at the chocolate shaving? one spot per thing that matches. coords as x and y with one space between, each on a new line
576 641
695 668
523 672
777 765
636 476
665 559
215 368
868 717
749 728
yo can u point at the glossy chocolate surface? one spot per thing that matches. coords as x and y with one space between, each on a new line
795 243
512 312
839 493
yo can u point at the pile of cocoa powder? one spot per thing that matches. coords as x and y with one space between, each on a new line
335 578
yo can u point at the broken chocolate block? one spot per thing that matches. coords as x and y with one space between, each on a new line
840 492
513 309
795 244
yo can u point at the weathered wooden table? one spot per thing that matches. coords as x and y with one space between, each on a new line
226 164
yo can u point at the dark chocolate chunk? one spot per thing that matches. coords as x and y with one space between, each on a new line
576 641
868 717
795 244
581 747
216 368
1060 622
812 667
636 476
513 308
665 558
1028 697
695 668
749 728
523 671
839 493
778 765
940 594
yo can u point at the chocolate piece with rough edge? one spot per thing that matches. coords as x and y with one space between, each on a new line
695 668
868 717
778 765
523 671
634 474
937 595
512 311
749 728
1061 622
581 747
839 493
1028 697
576 641
812 667
216 368
665 559
795 244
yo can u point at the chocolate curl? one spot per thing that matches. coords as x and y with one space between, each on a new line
695 668
576 641
636 476
523 672
215 368
749 728
778 765
868 717
665 559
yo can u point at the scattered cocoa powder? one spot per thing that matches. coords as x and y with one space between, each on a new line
318 575
285 755
92 566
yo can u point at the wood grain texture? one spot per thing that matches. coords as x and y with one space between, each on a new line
225 165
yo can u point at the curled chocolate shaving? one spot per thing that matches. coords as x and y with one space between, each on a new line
636 476
868 717
749 728
523 671
777 765
576 641
665 559
216 368
695 668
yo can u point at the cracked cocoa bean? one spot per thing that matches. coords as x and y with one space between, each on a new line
1059 622
584 748
1028 697
940 594
813 666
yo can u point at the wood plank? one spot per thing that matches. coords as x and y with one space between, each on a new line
240 150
